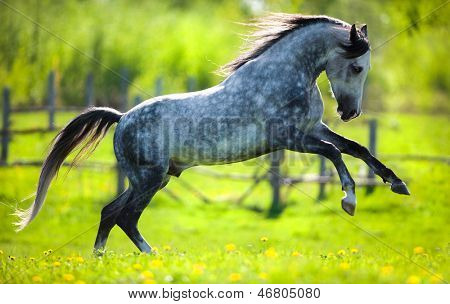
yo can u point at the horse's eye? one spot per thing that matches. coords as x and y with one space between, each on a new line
356 68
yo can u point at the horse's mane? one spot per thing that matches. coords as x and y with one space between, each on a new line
271 28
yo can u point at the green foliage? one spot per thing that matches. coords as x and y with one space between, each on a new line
177 39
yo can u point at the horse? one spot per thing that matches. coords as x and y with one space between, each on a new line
268 101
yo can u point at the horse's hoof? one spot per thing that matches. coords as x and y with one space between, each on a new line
349 205
400 187
99 252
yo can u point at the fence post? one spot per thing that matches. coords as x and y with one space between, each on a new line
137 100
322 175
373 150
5 127
275 182
158 86
123 108
51 100
191 84
89 90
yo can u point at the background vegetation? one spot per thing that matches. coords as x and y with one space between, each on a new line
392 239
177 38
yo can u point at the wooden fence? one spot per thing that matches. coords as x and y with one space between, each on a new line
7 132
272 174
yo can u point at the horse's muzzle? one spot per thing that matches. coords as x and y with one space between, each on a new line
349 115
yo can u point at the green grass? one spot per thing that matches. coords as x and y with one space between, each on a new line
394 239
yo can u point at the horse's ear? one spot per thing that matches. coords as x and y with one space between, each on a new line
353 34
364 30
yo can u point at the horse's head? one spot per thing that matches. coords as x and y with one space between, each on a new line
347 69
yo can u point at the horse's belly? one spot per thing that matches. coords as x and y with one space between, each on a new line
221 147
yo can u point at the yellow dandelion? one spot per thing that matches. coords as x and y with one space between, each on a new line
264 239
79 259
80 282
12 258
137 266
234 277
147 274
413 279
56 264
419 250
167 248
149 281
354 250
69 259
263 276
68 277
32 259
197 271
230 247
341 252
155 250
1 252
36 279
436 278
271 253
156 263
198 268
386 270
295 254
344 266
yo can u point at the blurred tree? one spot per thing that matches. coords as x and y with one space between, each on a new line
176 39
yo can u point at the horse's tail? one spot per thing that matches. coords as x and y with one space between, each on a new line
88 129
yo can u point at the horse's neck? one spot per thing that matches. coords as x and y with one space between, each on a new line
291 64
307 49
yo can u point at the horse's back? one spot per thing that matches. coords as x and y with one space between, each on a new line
189 129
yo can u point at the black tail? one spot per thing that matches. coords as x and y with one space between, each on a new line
88 128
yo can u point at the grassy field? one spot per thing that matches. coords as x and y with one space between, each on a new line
392 238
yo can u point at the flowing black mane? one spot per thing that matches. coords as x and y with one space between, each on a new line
275 26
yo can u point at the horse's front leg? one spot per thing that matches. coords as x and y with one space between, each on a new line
311 144
354 149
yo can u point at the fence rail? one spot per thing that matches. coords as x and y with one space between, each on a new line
46 108
273 173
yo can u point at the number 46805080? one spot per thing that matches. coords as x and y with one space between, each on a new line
289 293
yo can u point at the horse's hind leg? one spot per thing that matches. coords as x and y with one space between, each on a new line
143 191
108 218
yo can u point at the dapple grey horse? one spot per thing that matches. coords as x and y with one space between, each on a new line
269 101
